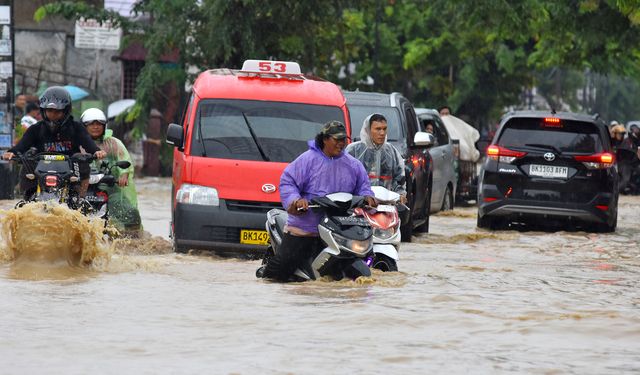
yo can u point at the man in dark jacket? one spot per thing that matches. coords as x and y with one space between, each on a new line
57 132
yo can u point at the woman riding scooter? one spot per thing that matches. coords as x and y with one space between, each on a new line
123 200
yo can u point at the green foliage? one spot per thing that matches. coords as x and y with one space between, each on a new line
478 56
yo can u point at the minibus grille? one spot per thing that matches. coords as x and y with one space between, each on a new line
248 206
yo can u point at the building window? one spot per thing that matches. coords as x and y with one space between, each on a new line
131 70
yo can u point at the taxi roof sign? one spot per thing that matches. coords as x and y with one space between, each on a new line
272 67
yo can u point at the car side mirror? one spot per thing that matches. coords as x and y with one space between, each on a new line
423 139
175 135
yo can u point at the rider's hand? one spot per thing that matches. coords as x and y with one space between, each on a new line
371 201
298 207
123 180
403 199
7 155
100 154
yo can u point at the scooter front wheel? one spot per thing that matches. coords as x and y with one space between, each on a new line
385 263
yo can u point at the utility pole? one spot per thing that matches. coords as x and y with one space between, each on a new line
7 68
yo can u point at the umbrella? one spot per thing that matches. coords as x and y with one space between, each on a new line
119 106
76 92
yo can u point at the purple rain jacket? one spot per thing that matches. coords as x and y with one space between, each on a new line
314 174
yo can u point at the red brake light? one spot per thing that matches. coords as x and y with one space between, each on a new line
597 161
495 150
51 181
552 120
604 157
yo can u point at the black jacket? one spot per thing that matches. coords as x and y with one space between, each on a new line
67 140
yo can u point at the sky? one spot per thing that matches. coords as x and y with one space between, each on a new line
122 6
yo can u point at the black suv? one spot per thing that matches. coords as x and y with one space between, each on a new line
549 168
405 135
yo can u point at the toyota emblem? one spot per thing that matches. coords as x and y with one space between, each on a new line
548 156
269 188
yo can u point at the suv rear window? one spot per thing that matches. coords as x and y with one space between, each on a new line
258 130
573 137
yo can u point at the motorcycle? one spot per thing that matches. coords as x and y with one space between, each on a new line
100 179
346 237
385 221
55 174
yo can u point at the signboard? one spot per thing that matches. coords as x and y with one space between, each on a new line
5 15
91 34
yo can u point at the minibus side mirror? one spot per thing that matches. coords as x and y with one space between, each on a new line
175 135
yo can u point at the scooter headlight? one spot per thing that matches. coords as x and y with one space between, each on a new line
383 234
95 178
355 246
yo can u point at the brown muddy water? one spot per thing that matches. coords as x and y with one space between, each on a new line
465 301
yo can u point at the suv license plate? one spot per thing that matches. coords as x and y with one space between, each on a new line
254 237
548 171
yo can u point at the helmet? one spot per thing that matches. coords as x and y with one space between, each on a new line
613 123
93 114
618 129
55 97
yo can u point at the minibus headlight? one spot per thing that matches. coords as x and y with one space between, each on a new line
195 194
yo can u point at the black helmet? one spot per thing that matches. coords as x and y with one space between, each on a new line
55 97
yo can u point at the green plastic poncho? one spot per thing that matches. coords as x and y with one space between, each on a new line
123 201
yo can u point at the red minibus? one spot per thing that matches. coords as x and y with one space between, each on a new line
239 130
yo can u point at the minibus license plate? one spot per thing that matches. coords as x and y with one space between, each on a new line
254 237
549 171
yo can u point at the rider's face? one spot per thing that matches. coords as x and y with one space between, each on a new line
378 132
95 129
334 146
54 114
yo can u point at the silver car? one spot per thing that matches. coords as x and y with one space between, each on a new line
442 153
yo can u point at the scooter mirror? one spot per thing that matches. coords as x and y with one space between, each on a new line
123 164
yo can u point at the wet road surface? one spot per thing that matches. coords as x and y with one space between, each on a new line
465 301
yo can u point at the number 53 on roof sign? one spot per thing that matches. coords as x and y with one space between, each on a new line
267 66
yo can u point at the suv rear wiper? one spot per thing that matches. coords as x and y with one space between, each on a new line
255 139
548 147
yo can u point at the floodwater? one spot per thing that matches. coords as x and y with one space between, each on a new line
465 301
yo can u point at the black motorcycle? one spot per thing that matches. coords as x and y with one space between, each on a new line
56 176
346 237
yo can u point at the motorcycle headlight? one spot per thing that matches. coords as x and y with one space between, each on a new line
354 246
383 234
95 178
195 194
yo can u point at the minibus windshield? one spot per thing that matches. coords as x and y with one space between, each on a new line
258 130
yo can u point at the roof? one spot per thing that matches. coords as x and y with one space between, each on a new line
429 111
235 84
375 99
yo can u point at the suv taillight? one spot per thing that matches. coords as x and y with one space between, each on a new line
602 160
503 155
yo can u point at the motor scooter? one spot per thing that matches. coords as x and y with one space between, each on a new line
385 221
346 237
100 179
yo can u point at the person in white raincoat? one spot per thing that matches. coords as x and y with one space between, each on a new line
382 161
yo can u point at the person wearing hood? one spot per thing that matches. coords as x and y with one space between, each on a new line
381 160
323 169
57 132
123 200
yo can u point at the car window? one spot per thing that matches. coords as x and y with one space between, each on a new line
566 136
258 130
359 113
441 132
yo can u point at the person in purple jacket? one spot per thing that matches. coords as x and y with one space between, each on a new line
323 169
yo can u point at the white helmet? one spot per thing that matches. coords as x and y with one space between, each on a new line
93 114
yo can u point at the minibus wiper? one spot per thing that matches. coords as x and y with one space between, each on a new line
255 139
